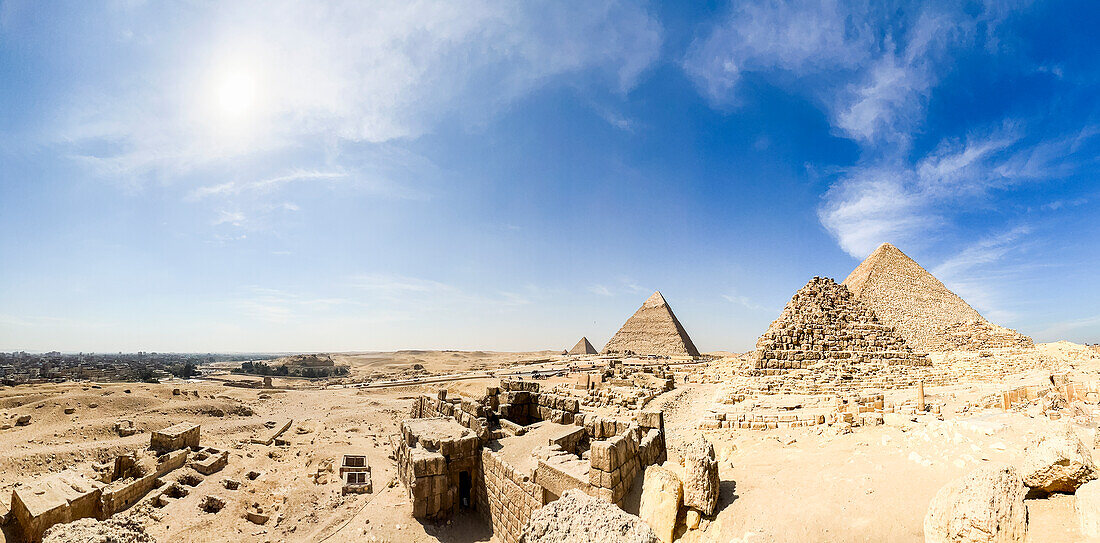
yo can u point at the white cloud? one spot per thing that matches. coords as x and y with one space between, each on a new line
270 183
235 218
744 301
599 290
345 71
898 202
869 66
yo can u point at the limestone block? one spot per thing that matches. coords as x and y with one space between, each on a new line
1087 505
701 483
1057 461
984 506
662 496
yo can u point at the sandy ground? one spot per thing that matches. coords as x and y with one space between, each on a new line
807 484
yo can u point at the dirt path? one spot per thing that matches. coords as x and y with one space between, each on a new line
683 407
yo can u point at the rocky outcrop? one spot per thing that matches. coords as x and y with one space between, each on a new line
1086 502
984 506
662 495
1057 461
579 518
701 483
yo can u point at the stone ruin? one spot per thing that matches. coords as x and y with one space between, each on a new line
515 449
825 329
653 330
108 488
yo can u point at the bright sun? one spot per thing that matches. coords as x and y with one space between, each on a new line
236 93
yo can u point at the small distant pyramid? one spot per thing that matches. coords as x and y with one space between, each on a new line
652 330
824 323
928 315
583 347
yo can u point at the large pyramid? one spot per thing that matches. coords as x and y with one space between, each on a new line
824 324
583 347
652 330
928 315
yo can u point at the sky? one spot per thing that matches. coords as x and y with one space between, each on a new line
331 176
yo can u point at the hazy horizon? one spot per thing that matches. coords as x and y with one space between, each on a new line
283 177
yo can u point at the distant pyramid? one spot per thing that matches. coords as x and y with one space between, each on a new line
824 323
653 329
583 347
928 315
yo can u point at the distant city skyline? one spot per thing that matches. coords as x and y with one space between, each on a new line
301 177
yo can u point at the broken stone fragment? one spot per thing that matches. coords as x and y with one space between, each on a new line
1057 461
701 483
662 496
1086 502
984 506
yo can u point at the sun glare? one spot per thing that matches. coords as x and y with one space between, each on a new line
236 93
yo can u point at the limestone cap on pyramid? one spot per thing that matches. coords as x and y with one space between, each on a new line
653 330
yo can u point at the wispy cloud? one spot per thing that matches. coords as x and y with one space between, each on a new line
901 202
744 301
599 290
270 183
981 272
235 218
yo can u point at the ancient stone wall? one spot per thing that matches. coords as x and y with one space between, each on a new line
469 413
614 463
511 497
432 471
119 495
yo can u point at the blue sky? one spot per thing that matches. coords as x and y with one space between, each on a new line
366 176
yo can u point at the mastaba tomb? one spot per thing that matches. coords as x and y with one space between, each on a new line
653 330
824 326
930 317
110 487
514 449
583 347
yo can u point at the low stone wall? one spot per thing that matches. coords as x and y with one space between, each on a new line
510 496
471 414
175 437
614 463
120 495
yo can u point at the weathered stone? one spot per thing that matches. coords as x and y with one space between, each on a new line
579 518
1057 461
701 483
1087 504
984 506
662 496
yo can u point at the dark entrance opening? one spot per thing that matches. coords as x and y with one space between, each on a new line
464 489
